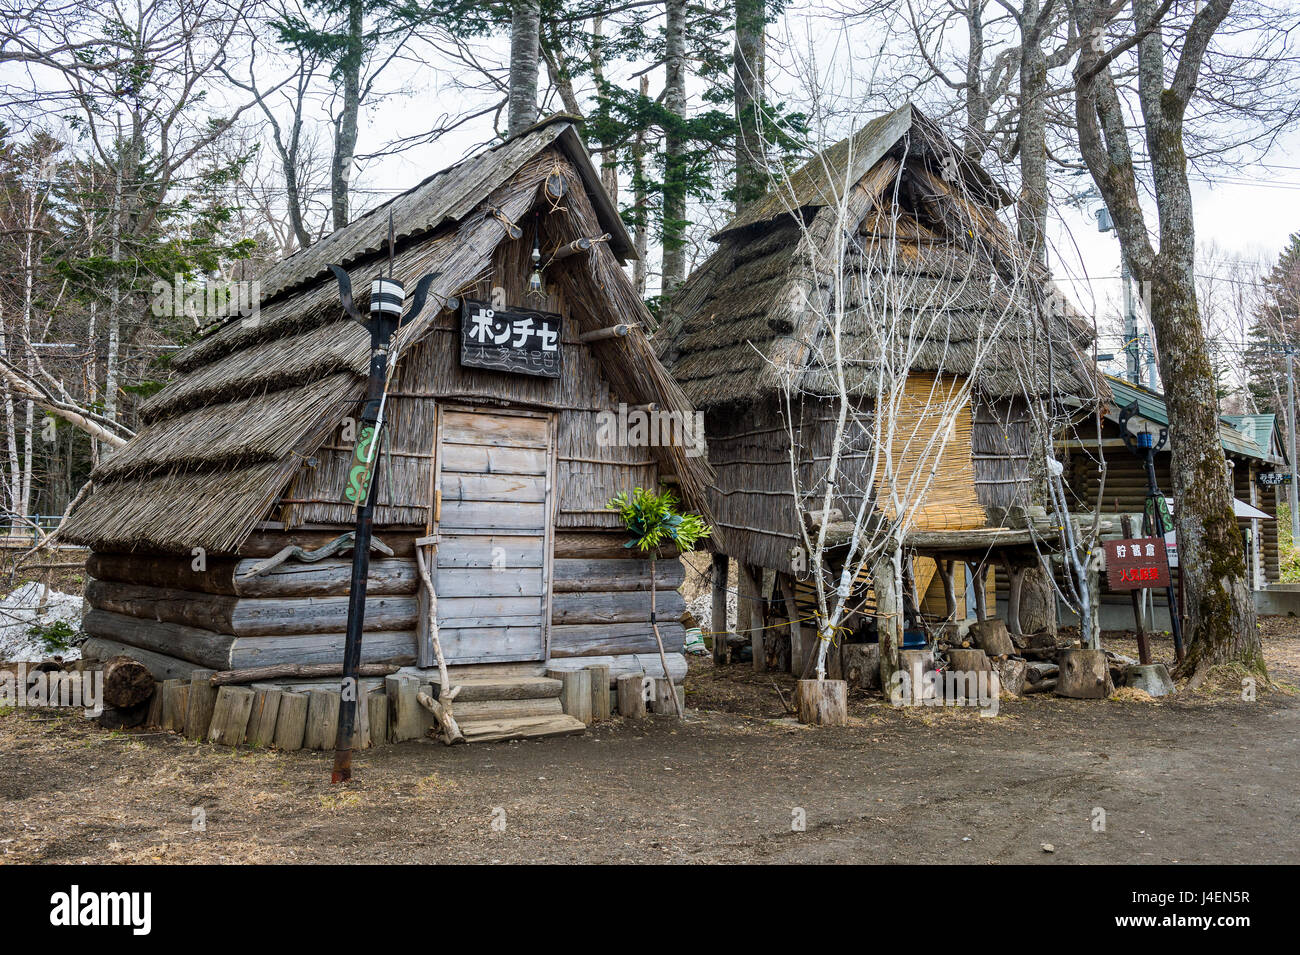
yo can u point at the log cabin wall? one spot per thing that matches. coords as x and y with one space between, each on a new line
169 612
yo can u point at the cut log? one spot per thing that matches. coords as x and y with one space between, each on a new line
377 704
968 661
263 715
127 683
822 702
176 696
1011 675
291 722
230 714
1084 675
860 665
404 711
322 719
663 703
632 695
533 727
575 692
198 710
992 637
154 719
599 691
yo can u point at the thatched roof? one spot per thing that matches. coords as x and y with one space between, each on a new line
258 396
926 249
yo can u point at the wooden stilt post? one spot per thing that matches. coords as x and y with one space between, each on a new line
885 581
719 624
979 577
749 613
798 652
947 574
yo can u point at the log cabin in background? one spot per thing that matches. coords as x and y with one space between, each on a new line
1253 446
733 338
247 451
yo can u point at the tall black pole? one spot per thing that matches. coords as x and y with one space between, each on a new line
362 482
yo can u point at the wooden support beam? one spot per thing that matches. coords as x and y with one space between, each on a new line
947 574
604 334
719 616
631 696
798 651
749 613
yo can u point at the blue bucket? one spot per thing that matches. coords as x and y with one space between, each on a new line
913 639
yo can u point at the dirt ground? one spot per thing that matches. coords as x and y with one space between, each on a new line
1204 778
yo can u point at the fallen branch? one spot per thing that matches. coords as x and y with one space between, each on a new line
451 733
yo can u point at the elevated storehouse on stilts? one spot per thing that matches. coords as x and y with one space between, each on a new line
930 259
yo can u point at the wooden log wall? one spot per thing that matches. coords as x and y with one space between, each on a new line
297 613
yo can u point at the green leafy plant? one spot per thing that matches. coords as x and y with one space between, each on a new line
55 637
653 520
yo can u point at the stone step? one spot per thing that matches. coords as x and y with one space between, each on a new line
477 689
529 727
485 710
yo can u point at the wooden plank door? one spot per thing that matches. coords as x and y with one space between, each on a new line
494 470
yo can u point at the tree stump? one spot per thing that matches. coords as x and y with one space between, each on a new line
992 637
860 664
915 664
631 696
822 702
1084 675
1151 678
127 683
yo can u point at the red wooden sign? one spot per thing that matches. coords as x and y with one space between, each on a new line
1136 564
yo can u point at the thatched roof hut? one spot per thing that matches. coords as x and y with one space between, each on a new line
892 228
258 397
247 451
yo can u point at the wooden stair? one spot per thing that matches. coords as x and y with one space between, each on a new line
492 709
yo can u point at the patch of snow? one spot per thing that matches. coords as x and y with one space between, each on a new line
30 605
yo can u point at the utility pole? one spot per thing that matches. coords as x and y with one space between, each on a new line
1133 358
1290 426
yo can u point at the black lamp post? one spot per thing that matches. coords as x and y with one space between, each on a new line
387 296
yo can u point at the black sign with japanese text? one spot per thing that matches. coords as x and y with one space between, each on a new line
517 341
